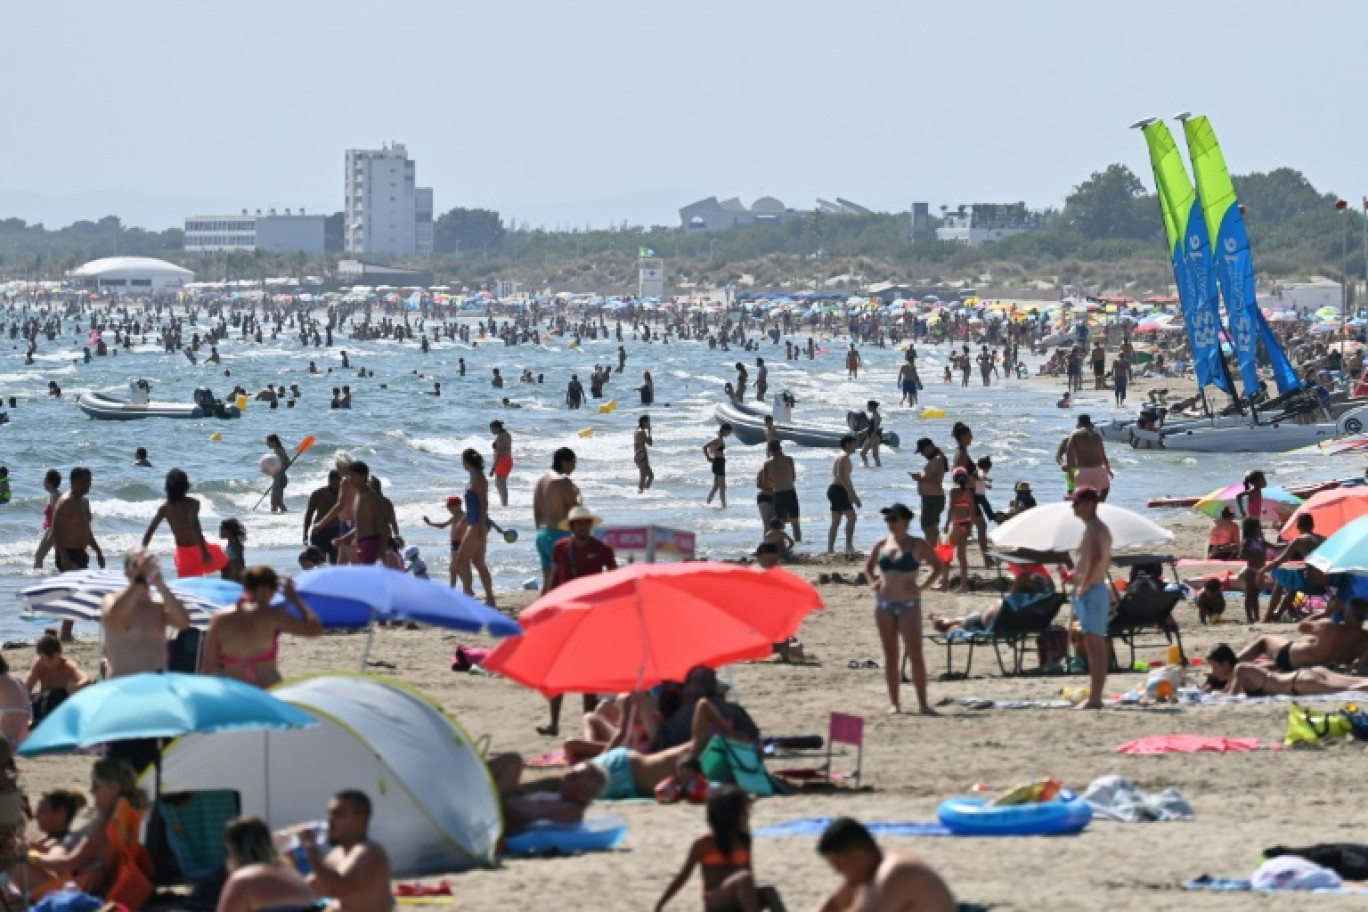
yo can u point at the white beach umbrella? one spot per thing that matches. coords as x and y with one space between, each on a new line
1053 527
77 596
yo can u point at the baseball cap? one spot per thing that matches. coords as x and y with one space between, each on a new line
897 511
1085 492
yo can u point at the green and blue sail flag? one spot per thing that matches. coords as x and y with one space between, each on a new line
1190 250
1233 260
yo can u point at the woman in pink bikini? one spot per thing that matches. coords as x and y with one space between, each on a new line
243 642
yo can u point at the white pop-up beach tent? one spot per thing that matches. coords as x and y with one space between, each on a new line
434 807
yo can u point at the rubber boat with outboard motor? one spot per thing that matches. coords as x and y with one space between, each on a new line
108 405
748 425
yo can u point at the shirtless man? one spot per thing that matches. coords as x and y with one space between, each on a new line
343 512
783 475
355 874
853 363
562 799
931 488
370 522
1092 599
1328 642
194 556
134 624
53 676
321 503
1083 457
391 518
1306 542
842 497
503 459
552 499
907 380
877 881
71 532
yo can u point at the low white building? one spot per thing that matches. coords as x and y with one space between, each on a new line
270 231
132 276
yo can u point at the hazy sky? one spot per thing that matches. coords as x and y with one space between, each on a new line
597 111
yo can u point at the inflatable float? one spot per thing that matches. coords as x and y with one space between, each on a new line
975 816
106 405
748 424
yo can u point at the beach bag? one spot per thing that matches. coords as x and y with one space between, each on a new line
1309 726
945 551
738 763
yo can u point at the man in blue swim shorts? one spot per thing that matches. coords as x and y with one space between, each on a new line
1092 601
554 496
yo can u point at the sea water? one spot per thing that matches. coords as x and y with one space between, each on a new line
413 442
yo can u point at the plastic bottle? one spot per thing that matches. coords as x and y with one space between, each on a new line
288 843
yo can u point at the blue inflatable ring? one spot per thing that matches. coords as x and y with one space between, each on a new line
972 816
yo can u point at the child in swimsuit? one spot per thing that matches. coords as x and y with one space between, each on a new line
235 536
1254 550
457 523
724 854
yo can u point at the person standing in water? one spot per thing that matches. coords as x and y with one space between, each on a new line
842 497
71 531
280 479
761 379
552 499
503 459
194 555
715 452
1083 457
641 441
908 380
873 435
853 363
647 389
52 483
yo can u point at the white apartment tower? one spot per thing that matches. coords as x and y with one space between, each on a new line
386 213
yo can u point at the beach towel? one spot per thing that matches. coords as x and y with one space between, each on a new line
813 827
1239 885
984 703
549 760
1191 744
1115 798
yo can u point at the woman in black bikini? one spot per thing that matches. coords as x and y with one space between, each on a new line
715 451
892 569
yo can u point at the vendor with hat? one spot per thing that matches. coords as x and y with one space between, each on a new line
571 558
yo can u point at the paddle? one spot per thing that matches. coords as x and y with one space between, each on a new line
303 448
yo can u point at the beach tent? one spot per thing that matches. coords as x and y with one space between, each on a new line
434 805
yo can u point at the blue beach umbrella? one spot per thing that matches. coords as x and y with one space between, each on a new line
354 595
1344 552
160 706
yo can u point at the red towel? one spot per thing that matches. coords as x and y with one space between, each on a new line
1191 744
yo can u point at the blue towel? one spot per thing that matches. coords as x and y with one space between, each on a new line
813 826
1240 885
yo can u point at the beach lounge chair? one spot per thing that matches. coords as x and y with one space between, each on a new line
1014 630
1144 611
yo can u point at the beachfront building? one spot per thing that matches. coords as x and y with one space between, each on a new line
385 211
711 215
131 276
273 232
983 223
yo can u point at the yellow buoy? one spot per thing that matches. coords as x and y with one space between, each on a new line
242 402
608 407
933 412
216 437
587 432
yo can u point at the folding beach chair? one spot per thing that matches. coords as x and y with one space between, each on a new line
185 835
1014 630
842 729
1145 609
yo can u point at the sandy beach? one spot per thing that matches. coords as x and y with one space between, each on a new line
1243 802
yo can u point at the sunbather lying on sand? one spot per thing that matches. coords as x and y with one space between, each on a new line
613 775
1328 642
1257 680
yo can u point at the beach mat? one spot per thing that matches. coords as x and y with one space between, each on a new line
813 826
